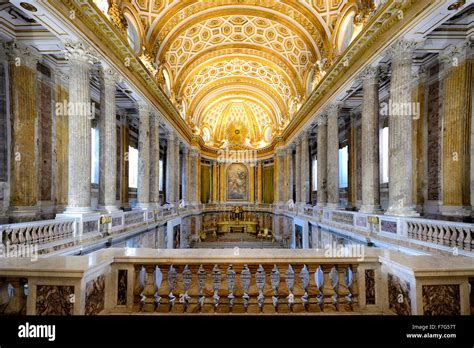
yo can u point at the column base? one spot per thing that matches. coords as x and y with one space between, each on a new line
143 206
432 207
321 205
455 210
402 211
23 213
126 206
333 206
371 209
108 208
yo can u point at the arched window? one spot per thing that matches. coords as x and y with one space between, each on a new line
346 32
166 76
132 34
206 134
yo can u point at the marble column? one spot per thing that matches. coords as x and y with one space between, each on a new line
298 171
289 173
259 182
125 132
322 159
178 172
352 175
333 156
143 189
280 155
170 168
185 174
108 141
155 160
370 143
24 118
305 182
80 59
400 131
457 74
193 182
215 183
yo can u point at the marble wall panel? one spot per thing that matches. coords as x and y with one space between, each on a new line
54 300
122 284
95 295
370 286
399 295
441 299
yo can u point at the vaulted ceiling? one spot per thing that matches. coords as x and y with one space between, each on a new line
238 70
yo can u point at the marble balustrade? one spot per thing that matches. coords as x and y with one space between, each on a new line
433 236
204 281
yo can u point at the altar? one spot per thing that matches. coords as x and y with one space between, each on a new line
237 226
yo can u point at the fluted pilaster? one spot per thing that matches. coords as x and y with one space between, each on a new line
457 73
23 163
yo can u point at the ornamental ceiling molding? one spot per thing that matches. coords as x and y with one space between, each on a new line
238 67
238 82
202 115
240 51
214 118
252 30
308 18
232 92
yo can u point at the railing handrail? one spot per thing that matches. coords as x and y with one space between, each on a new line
35 223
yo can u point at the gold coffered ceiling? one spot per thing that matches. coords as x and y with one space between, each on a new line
238 69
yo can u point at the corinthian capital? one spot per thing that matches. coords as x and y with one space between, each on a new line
334 109
369 73
322 120
402 49
109 75
453 55
143 107
21 55
79 51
